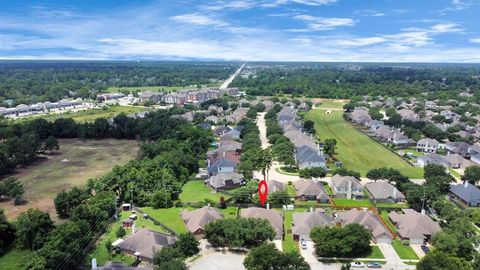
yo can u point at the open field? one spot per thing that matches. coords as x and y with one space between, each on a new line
76 162
197 191
356 150
90 115
331 103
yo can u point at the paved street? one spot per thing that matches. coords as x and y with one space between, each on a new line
231 78
219 261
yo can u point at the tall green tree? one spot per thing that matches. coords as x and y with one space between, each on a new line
268 257
33 227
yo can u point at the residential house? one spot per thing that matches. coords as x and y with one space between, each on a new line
150 96
346 187
275 186
369 221
222 166
197 219
467 194
458 162
212 118
399 140
415 227
221 130
225 180
423 161
304 222
427 145
382 191
308 157
121 266
474 153
272 216
144 243
461 148
310 190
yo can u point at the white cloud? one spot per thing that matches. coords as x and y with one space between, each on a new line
475 40
322 24
198 19
248 4
370 13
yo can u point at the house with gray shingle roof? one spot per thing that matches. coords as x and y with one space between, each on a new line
275 219
225 180
369 221
382 191
427 145
346 187
145 243
310 190
467 193
275 186
304 222
413 226
197 219
308 157
456 161
423 161
222 165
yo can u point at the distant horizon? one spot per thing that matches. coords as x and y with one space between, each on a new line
407 31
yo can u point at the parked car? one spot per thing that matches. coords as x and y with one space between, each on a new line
357 265
303 244
425 249
374 265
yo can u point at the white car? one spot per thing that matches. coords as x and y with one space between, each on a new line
357 265
303 244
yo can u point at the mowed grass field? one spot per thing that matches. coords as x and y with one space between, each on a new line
75 163
91 115
356 150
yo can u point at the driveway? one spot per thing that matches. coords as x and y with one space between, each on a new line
418 250
390 255
219 261
272 173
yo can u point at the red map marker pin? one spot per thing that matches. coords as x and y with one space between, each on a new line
262 192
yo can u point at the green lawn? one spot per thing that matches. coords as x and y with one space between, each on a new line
384 216
291 190
404 252
356 150
170 217
331 103
376 253
391 205
288 244
14 259
197 191
91 115
327 188
352 203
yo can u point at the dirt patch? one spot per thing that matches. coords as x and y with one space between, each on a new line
75 163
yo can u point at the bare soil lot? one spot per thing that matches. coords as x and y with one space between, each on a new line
75 163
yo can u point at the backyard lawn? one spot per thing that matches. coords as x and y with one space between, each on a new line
404 252
14 259
170 217
384 216
288 244
197 191
353 203
356 150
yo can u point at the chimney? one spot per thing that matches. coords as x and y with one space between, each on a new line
268 206
208 163
423 212
394 192
224 154
465 184
311 209
349 190
133 228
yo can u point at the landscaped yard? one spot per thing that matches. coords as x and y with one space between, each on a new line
404 252
15 259
288 244
76 162
353 203
197 191
386 220
376 253
356 150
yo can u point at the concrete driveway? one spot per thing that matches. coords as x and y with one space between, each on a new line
219 261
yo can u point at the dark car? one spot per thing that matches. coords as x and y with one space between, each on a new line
425 249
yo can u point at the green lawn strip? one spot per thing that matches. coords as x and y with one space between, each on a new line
170 217
404 252
229 212
15 259
353 203
197 191
279 170
384 216
375 254
327 188
391 205
288 243
455 174
310 203
356 150
331 103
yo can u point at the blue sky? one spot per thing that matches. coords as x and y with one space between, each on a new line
252 30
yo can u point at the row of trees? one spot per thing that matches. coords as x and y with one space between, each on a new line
31 82
282 149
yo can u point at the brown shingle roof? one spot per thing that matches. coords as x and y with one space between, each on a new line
197 219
